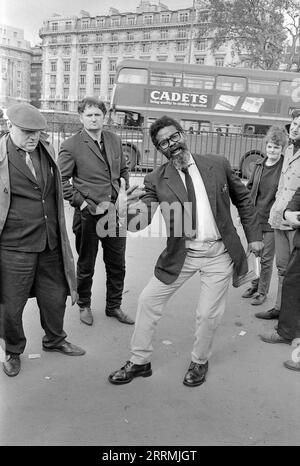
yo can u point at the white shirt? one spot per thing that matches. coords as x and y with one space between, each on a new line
207 229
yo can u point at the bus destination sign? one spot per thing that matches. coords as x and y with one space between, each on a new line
177 98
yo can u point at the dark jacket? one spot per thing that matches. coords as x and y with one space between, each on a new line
92 179
165 187
5 197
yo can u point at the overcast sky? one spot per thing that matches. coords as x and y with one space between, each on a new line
29 14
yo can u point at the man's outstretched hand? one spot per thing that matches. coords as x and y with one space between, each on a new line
127 197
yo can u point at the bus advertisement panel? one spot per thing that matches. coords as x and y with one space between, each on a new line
226 111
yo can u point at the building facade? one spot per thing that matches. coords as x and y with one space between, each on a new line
80 54
36 76
15 62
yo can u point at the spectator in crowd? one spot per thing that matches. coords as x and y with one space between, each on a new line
263 186
35 254
288 327
194 194
283 232
94 160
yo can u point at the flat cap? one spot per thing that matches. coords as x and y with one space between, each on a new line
26 116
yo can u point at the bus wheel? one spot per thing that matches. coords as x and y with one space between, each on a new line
248 162
130 155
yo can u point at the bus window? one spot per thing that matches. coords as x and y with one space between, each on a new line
287 87
130 119
160 78
132 76
231 83
195 126
255 129
262 87
198 81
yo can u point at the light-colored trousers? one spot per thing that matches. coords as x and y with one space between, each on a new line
283 249
215 269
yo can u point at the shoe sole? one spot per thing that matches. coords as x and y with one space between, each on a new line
194 384
291 368
122 382
267 318
62 352
86 323
122 321
286 342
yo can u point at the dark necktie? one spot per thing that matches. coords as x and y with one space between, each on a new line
191 196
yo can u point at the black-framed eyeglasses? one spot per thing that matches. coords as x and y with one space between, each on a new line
165 143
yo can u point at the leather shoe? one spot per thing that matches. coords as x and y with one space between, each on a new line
129 371
274 337
66 348
12 365
293 366
249 292
86 315
268 315
196 374
258 299
120 315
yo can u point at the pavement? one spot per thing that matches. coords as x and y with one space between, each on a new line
249 398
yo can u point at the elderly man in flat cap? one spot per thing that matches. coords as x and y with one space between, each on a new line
35 254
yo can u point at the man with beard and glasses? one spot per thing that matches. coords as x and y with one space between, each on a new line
194 193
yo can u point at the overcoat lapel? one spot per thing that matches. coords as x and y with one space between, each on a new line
92 146
20 164
175 183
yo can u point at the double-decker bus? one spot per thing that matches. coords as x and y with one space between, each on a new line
225 111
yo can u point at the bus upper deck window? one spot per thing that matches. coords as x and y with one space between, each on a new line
132 76
231 83
161 78
198 81
263 87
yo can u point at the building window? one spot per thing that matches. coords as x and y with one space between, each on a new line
164 33
54 27
97 79
66 79
179 59
162 58
112 65
180 46
147 35
129 36
114 36
111 79
201 45
66 50
115 22
52 79
183 17
82 79
181 33
53 66
68 25
114 49
98 37
100 22
97 65
53 50
65 106
67 39
82 93
131 20
52 93
83 38
199 60
145 47
83 50
85 24
128 48
203 16
219 61
53 40
165 18
66 66
148 19
83 66
66 93
97 91
98 49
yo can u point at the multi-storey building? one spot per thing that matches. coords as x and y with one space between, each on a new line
80 54
15 60
36 76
